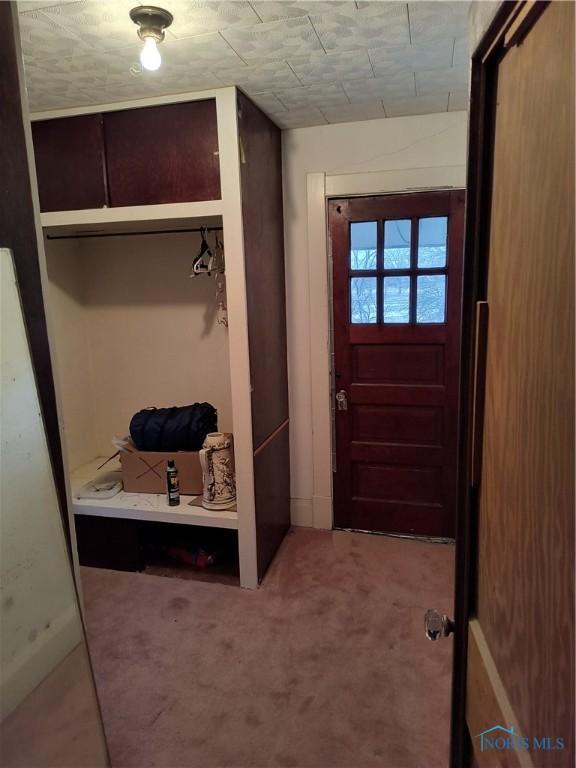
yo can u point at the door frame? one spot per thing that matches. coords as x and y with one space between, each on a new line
508 27
322 187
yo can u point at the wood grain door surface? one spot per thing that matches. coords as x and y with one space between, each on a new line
397 271
70 163
164 154
520 677
143 156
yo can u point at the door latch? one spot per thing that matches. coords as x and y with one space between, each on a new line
437 626
342 400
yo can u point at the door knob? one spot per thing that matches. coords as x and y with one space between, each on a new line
437 626
342 400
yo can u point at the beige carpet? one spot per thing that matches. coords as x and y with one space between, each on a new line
326 666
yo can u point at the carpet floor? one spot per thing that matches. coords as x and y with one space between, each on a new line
325 666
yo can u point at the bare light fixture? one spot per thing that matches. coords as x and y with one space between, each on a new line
152 22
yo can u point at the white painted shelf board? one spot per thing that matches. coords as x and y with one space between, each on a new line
142 506
134 217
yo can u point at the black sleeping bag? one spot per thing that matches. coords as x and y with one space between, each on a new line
173 429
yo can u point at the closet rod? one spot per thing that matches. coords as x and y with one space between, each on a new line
131 234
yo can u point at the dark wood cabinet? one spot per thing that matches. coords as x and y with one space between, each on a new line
164 154
262 212
70 163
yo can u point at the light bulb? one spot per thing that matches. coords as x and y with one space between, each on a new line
150 55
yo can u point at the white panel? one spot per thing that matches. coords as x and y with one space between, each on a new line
272 75
441 81
417 105
320 96
399 85
201 16
268 102
332 67
162 213
432 21
411 57
42 39
350 112
33 5
200 53
97 25
299 118
274 10
40 617
375 25
274 40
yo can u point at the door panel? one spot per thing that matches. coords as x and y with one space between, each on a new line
521 633
402 424
165 154
70 164
396 360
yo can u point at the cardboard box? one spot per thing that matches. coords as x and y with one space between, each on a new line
145 471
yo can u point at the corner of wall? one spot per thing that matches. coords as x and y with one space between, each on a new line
301 513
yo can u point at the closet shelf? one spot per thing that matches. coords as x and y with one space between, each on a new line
137 217
143 506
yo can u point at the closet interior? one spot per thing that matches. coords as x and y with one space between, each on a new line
164 249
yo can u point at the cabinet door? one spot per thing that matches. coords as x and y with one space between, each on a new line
165 154
70 163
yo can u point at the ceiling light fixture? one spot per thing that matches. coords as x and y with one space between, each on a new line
151 22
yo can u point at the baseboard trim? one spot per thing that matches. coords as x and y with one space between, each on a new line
322 512
29 668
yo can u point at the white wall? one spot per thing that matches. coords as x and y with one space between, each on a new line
144 330
40 620
393 144
67 293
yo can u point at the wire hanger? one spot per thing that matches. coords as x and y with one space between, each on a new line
199 265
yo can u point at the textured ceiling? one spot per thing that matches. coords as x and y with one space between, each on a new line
304 62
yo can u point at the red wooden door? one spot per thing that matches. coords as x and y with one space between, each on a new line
164 154
70 163
397 263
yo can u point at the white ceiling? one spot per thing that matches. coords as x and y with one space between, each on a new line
304 62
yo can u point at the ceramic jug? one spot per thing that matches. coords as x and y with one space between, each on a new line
217 462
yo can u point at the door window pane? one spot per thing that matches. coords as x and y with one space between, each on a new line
396 299
431 299
363 300
363 244
432 242
397 244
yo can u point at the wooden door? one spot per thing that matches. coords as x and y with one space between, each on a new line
70 163
397 267
164 154
519 522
